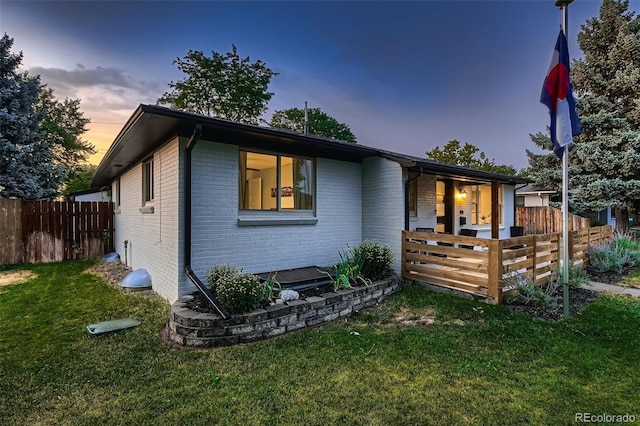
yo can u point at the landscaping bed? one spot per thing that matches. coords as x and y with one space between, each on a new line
579 297
193 324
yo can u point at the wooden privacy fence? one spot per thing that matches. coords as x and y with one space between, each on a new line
52 231
546 220
489 268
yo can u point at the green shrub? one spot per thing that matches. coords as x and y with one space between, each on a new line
529 293
239 293
237 290
346 272
578 276
375 259
218 272
611 258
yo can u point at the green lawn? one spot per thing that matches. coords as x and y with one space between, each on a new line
632 280
482 366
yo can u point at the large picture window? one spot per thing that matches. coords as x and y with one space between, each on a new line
275 182
481 204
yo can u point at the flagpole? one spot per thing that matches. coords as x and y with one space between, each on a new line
563 5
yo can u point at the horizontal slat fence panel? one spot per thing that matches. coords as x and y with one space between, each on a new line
491 267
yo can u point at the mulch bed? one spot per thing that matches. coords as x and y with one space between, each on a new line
607 277
578 299
114 272
200 304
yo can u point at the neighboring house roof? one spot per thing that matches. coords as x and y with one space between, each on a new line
530 189
86 191
151 126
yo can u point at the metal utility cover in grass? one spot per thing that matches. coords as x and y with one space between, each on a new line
112 326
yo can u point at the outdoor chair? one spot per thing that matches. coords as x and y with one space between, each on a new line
468 233
425 230
516 231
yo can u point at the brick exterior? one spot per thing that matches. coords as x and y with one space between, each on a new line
353 202
218 238
383 204
154 240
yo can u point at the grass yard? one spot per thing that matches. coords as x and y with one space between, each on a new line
470 366
632 280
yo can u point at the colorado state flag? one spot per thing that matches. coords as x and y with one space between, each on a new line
557 95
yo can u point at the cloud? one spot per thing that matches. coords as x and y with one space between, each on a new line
82 77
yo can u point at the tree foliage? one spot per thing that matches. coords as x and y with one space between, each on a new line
63 126
81 179
28 169
320 123
454 153
40 137
605 158
224 86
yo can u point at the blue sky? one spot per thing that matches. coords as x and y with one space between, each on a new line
405 76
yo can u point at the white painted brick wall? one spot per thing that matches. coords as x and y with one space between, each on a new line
383 204
217 238
153 238
426 217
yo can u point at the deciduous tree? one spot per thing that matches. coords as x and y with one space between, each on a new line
320 123
63 125
223 85
454 153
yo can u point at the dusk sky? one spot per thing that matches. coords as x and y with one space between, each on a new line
405 76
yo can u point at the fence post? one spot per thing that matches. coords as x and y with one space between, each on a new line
494 273
571 239
403 268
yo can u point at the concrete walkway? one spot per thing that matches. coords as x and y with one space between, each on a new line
612 288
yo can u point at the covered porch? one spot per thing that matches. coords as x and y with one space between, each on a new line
486 267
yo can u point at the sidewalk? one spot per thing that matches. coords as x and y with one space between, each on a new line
612 288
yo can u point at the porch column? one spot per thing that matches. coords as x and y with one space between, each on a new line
449 206
495 210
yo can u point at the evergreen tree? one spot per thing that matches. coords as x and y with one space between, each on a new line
27 166
320 123
605 158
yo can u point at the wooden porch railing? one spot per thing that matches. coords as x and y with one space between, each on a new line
489 267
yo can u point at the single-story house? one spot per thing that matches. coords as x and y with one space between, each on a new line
192 191
529 196
96 194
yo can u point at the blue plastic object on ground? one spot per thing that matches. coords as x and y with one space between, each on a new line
111 257
139 278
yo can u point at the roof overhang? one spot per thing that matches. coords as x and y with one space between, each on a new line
151 126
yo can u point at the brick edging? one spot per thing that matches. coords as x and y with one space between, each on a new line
190 328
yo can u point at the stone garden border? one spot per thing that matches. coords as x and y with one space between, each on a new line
190 328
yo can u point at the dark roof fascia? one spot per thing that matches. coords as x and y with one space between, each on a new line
452 171
160 124
167 122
